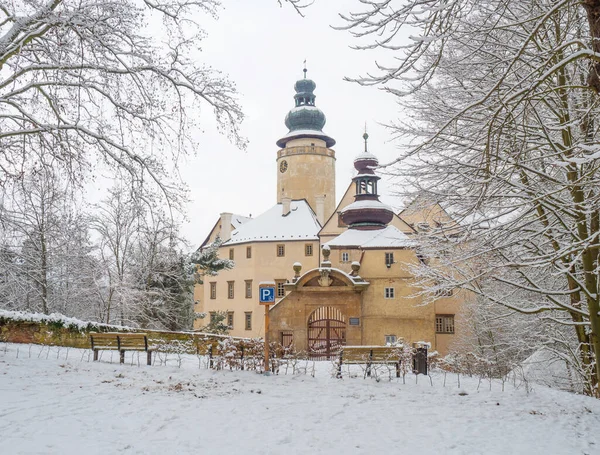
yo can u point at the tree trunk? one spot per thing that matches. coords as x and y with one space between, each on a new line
592 8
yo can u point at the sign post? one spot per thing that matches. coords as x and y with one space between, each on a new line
266 294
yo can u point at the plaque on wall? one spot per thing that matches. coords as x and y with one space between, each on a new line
354 321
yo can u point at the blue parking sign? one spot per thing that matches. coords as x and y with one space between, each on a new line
267 295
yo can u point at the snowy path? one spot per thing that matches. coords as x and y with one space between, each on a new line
63 406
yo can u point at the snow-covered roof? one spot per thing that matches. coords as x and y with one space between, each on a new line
365 156
390 237
371 176
368 204
299 224
238 220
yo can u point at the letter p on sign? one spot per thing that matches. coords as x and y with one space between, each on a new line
267 295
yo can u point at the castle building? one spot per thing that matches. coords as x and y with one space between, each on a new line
342 272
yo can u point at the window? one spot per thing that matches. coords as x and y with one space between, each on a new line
248 289
230 319
248 252
443 293
280 289
280 251
422 259
389 259
390 339
444 323
248 320
345 257
287 338
230 289
213 317
231 254
308 249
213 290
389 293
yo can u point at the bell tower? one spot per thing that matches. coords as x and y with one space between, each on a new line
305 161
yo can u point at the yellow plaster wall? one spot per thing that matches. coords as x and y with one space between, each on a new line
455 305
401 225
422 211
331 228
310 173
216 232
263 266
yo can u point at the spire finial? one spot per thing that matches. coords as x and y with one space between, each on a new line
365 137
305 70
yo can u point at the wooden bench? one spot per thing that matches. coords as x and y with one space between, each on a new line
369 356
121 342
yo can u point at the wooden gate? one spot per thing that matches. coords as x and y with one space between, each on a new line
326 332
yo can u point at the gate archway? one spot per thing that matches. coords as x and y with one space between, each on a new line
326 332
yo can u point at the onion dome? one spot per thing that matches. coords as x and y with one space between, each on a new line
366 212
305 120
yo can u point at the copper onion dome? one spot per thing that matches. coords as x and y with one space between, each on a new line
305 120
366 212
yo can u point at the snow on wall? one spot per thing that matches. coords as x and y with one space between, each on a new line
54 318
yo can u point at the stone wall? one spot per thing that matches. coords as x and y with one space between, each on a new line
56 333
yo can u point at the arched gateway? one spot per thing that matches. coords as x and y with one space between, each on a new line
326 332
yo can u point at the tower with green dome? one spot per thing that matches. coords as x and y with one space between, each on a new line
305 161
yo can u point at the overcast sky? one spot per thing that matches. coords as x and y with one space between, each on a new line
262 48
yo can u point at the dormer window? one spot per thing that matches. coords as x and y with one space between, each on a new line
389 259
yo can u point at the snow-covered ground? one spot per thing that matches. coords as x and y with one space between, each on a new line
59 401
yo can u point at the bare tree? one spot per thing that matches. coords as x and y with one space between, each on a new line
116 220
46 251
502 97
109 81
298 5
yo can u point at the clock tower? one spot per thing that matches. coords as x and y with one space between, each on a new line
305 161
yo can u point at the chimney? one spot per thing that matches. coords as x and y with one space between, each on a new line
286 203
225 226
320 202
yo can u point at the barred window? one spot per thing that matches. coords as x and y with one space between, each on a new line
248 320
230 319
280 288
248 289
231 254
345 257
213 290
230 285
248 252
308 249
389 293
280 251
444 323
